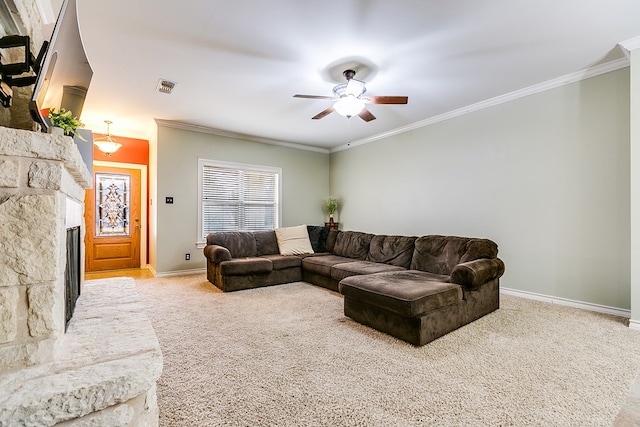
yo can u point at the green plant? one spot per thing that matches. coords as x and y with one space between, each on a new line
331 205
66 121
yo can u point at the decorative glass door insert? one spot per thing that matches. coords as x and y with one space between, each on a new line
112 205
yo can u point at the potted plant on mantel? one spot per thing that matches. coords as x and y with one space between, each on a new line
331 205
66 122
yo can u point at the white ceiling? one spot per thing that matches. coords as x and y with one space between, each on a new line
238 63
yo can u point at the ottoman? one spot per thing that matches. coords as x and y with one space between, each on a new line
410 305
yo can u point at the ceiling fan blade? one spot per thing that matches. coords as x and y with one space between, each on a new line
386 99
323 113
314 96
366 115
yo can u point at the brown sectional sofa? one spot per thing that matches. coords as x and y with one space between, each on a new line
243 260
414 288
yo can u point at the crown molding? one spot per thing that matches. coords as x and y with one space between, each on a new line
521 93
631 44
219 132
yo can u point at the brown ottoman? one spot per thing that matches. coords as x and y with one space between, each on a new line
410 305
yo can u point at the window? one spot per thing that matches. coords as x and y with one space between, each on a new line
113 193
237 197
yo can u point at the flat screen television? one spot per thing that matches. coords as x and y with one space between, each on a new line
64 76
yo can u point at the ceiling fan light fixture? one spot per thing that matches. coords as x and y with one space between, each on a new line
355 88
350 101
348 106
107 144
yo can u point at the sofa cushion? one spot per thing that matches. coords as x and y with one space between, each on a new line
408 293
280 262
318 237
331 239
342 270
393 250
266 243
293 240
239 243
243 266
322 264
352 244
439 254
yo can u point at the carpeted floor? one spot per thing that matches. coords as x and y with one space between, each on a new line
287 356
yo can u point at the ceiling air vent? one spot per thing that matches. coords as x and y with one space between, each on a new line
165 86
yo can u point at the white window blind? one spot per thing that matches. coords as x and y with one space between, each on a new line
235 197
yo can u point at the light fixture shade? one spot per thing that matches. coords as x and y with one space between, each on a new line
107 145
348 105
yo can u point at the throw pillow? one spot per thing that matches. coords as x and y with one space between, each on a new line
318 237
293 240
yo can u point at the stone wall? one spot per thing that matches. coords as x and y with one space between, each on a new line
40 175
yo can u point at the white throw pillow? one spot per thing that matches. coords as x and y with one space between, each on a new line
293 240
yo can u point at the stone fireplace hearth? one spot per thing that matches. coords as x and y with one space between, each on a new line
104 369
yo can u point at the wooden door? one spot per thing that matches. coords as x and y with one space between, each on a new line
112 218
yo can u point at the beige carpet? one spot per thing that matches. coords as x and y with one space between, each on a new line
286 356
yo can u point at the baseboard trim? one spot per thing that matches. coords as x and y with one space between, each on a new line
573 303
634 324
152 270
180 272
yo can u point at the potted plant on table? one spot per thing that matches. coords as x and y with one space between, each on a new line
331 205
66 121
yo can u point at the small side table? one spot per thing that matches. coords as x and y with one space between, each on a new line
332 225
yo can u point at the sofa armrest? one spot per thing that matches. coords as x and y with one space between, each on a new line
216 254
472 274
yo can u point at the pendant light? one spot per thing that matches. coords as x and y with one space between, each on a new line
107 144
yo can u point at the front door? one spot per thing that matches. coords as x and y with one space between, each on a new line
112 218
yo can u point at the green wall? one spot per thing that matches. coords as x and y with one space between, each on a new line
545 176
305 183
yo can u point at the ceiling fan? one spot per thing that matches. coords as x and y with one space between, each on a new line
350 100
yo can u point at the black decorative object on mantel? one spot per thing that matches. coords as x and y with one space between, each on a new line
13 74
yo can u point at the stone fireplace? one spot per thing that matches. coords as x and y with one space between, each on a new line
104 369
42 182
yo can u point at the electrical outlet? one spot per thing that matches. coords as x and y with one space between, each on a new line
169 200
187 257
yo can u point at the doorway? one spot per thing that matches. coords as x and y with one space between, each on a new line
115 218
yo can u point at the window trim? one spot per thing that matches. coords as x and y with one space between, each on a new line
200 241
